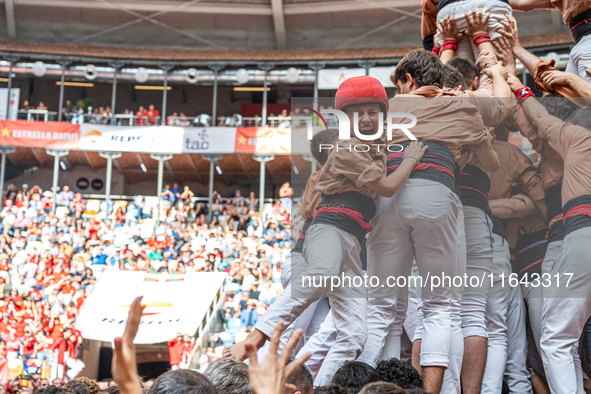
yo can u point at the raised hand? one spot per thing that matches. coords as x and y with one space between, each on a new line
477 21
269 377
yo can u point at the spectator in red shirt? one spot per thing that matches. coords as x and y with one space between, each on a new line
152 114
4 325
29 347
20 325
188 346
66 356
176 347
68 291
141 112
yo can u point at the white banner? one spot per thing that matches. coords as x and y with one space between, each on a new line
148 139
209 140
383 75
332 78
14 102
174 304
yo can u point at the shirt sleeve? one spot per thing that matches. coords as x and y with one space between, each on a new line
529 180
519 120
485 60
529 204
359 167
429 18
563 90
560 135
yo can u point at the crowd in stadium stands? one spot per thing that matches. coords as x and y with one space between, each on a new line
151 116
49 263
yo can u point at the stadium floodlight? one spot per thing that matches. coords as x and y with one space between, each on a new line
293 74
39 69
192 75
90 72
141 75
242 76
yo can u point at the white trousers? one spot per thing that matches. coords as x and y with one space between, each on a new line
309 320
516 373
329 252
580 58
563 319
496 8
496 313
479 260
420 221
452 375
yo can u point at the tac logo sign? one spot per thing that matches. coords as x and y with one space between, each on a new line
344 124
197 141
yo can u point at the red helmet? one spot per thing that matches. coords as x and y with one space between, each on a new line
361 90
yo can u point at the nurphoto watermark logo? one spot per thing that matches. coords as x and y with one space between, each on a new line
344 127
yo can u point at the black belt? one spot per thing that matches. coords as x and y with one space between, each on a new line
577 213
554 216
436 165
529 253
475 188
580 26
348 211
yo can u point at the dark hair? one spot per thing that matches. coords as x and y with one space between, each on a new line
452 78
302 379
51 389
183 381
82 385
423 66
229 376
581 117
332 389
558 106
324 137
400 373
110 390
468 70
355 375
382 388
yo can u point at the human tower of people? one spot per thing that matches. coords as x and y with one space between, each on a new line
459 201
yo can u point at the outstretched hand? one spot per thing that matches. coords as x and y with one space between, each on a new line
510 32
449 32
124 366
270 376
477 21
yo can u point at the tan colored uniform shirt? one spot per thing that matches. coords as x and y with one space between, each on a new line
429 19
573 144
530 223
311 197
569 8
517 168
450 121
551 164
350 171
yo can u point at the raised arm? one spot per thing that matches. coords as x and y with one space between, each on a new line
508 208
552 78
529 5
511 34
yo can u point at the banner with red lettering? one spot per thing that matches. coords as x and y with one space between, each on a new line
60 135
271 140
